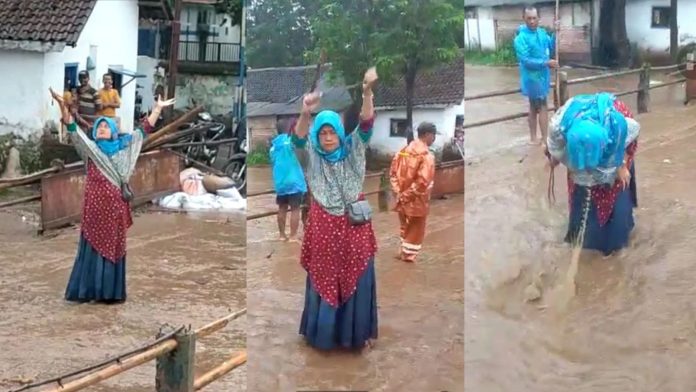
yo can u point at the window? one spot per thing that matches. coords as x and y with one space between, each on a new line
661 17
398 127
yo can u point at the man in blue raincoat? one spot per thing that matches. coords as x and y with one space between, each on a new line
534 48
288 181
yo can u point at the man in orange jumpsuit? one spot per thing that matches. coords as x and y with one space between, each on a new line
411 177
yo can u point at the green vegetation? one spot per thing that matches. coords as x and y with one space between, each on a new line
258 157
503 56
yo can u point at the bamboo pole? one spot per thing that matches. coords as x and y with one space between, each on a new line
173 126
117 368
557 89
20 200
218 324
220 371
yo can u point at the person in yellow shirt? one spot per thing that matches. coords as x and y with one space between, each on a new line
109 97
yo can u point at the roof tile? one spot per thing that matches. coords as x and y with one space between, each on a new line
44 20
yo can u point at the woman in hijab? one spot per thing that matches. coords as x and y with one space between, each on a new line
99 272
595 137
339 245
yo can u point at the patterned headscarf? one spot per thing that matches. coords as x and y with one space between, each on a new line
116 143
595 132
333 119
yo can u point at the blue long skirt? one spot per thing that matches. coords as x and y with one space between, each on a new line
348 326
614 235
94 278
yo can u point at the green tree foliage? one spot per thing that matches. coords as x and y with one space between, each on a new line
400 37
278 32
232 8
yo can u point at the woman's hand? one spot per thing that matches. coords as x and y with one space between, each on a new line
623 175
369 79
160 104
310 102
66 116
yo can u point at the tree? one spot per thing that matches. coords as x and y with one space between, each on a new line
279 32
614 47
231 8
400 37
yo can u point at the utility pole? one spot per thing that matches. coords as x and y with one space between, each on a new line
174 50
673 31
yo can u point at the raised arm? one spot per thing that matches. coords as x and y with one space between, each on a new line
159 105
301 128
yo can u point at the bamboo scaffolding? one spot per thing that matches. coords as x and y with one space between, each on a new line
218 324
220 370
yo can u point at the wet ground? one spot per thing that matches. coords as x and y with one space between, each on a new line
632 324
182 270
420 346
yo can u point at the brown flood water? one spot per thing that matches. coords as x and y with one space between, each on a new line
182 270
632 324
420 346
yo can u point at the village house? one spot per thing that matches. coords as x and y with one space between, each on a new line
275 94
43 43
492 23
208 59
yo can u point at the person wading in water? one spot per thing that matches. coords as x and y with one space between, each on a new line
411 177
595 137
288 181
534 48
339 247
99 271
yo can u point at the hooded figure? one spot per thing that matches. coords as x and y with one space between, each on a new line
595 137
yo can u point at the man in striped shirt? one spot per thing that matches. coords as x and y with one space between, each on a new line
89 103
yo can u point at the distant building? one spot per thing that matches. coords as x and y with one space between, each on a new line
492 23
275 95
45 42
209 57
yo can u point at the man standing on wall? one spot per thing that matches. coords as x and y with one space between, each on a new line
411 177
110 100
88 101
534 48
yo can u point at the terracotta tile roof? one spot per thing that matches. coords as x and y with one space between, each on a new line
443 85
44 20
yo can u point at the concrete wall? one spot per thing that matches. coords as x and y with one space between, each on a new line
22 103
444 120
147 66
479 34
656 40
261 129
111 38
576 26
217 93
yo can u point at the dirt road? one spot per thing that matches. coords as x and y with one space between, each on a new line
182 269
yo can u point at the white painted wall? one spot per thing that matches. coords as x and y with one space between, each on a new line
639 20
112 33
22 100
444 120
147 66
479 34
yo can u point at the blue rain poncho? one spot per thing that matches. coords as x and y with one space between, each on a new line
288 177
534 48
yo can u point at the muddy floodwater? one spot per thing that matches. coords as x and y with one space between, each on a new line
421 314
182 270
632 324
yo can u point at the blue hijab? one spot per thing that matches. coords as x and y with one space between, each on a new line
329 117
113 145
595 132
